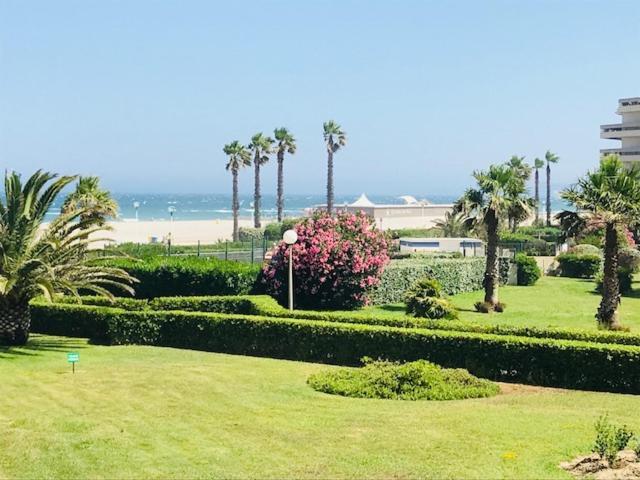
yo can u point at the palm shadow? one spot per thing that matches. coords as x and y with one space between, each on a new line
40 344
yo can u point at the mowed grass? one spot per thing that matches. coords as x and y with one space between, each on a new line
147 412
551 302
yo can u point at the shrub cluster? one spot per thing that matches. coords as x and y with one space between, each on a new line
527 244
419 380
559 363
610 439
337 260
169 276
578 266
456 275
425 299
247 234
528 270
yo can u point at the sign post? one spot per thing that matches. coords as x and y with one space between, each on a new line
72 358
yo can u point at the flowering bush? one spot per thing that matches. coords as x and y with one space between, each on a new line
336 262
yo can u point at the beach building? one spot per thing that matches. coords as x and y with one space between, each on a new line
628 131
411 213
469 247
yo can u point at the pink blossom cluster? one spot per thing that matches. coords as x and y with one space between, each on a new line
337 260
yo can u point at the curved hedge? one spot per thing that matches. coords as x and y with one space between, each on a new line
558 363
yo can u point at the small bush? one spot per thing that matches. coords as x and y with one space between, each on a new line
610 439
431 307
488 307
629 259
578 266
426 287
528 270
420 380
586 249
247 234
274 231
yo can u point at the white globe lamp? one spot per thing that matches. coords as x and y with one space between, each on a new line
290 237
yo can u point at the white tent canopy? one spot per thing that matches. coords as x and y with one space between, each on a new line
363 201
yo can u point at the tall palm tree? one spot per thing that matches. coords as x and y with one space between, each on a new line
550 158
335 138
239 157
90 197
486 205
610 194
537 165
286 144
45 262
452 225
261 147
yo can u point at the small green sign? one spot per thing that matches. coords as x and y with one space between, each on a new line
73 357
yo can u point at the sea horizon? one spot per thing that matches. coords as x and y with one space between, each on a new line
197 206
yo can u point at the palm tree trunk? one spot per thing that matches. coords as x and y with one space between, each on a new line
256 193
15 322
537 195
330 181
548 195
280 193
608 310
491 273
235 206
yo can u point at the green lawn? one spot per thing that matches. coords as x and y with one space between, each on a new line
551 302
132 412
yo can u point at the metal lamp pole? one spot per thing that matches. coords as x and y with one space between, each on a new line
136 205
290 237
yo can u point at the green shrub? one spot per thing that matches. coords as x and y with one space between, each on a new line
424 299
419 380
548 234
610 439
578 266
585 249
274 231
528 270
488 307
456 275
247 234
172 276
414 232
629 259
558 363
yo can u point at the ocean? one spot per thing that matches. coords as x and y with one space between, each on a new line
218 206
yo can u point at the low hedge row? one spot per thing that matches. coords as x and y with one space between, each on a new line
263 305
456 275
579 266
558 363
172 276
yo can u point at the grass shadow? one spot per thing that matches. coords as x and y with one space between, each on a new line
39 344
392 308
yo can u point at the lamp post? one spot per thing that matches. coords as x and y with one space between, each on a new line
136 205
171 210
290 237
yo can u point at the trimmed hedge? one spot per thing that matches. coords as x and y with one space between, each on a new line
456 275
579 266
266 306
528 270
172 276
558 363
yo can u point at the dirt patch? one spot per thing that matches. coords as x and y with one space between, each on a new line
517 388
626 467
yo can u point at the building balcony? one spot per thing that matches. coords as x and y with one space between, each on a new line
627 154
628 105
618 131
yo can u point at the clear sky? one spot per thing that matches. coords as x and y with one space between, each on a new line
146 93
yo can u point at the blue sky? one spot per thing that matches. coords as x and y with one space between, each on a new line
146 93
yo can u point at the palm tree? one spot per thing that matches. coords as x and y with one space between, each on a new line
537 165
90 197
486 206
452 225
520 208
610 194
335 138
286 144
261 147
239 157
550 158
45 262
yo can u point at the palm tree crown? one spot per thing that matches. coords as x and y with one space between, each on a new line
334 136
238 154
45 262
89 196
285 140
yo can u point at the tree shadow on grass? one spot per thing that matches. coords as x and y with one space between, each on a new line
39 344
392 308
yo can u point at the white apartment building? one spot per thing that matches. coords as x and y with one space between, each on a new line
628 132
